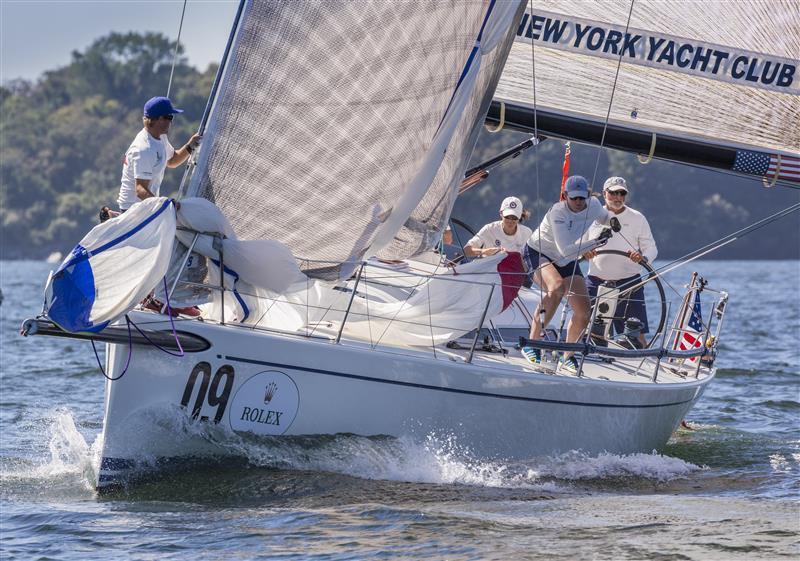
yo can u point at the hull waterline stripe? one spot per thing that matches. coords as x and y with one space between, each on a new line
456 390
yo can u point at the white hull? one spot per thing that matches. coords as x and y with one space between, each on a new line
281 384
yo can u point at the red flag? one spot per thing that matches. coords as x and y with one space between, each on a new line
564 173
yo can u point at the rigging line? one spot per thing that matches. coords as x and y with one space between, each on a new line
600 151
177 44
366 305
634 248
713 246
732 237
411 292
536 176
611 100
605 123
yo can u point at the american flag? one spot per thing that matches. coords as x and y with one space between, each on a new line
765 165
692 331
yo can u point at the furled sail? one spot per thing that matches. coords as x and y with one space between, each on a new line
721 76
334 119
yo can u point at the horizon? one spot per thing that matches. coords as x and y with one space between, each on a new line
59 28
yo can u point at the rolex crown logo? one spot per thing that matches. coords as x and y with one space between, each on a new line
269 393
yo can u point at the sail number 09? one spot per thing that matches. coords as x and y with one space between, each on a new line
202 371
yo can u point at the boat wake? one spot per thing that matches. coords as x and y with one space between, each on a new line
70 460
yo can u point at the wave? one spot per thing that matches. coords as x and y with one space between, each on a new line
783 405
71 461
68 466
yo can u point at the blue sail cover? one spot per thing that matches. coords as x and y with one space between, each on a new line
113 267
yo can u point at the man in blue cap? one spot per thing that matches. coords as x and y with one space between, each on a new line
151 153
552 254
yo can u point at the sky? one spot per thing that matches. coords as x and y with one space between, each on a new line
36 36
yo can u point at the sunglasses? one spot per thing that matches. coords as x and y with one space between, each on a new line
577 198
510 217
167 117
617 193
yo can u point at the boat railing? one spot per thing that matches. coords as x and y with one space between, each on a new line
323 319
686 347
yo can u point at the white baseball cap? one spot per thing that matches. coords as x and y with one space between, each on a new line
615 184
511 205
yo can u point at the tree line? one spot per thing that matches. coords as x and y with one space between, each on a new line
63 137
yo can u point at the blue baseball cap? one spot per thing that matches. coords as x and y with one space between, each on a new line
158 107
576 186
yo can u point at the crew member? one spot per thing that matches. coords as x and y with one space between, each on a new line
552 253
506 234
636 240
151 153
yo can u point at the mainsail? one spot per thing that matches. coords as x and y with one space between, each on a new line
722 76
335 118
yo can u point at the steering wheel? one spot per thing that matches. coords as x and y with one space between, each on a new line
464 225
651 276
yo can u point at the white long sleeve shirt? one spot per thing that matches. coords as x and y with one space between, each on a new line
634 236
559 236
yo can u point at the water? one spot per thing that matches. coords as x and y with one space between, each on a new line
728 489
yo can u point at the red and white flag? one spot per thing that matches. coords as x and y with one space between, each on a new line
691 332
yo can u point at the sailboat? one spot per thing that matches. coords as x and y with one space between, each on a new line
335 140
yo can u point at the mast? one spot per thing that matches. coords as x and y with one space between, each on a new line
221 70
212 96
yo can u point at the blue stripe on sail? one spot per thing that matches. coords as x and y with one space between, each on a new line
239 298
73 294
73 288
471 57
118 239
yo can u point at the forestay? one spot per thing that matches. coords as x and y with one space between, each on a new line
724 71
334 119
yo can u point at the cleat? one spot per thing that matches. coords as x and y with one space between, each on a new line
534 356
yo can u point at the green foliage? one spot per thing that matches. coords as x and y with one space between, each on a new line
64 137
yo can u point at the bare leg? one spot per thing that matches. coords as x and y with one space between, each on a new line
578 300
553 290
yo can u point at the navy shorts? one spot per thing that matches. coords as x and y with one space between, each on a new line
631 307
533 259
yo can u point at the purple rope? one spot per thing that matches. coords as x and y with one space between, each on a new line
127 362
129 322
172 324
